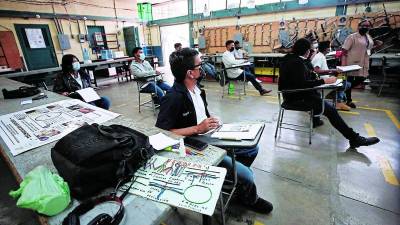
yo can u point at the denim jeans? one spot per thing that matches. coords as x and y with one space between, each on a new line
246 156
250 77
246 191
159 87
341 95
103 102
209 69
355 81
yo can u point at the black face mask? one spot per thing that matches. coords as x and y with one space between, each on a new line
363 30
237 48
232 49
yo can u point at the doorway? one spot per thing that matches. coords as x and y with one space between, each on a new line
171 35
36 45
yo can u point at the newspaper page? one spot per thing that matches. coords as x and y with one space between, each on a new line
31 128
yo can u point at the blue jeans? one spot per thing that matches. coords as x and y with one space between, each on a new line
158 88
209 69
246 190
104 102
246 156
341 95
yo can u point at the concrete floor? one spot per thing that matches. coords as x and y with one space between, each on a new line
316 184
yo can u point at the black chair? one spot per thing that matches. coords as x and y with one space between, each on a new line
224 80
283 105
140 83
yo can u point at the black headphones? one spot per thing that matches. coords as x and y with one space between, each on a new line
103 218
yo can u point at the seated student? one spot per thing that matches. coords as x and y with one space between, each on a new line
184 111
73 78
207 67
321 67
294 74
177 47
142 68
229 60
239 53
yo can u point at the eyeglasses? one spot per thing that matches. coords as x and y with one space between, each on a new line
198 65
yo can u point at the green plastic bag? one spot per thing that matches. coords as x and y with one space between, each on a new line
42 191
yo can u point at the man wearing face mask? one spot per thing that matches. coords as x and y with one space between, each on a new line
183 111
229 60
142 68
295 74
356 51
73 78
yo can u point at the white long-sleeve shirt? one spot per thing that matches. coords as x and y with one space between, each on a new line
229 60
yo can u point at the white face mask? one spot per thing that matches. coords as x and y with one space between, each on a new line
315 45
76 66
142 56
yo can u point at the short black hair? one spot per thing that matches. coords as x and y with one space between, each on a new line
135 50
182 61
301 46
237 42
322 46
176 45
66 63
228 42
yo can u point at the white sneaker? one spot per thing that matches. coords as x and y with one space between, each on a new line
259 81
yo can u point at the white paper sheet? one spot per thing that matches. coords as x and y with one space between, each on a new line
249 135
88 94
31 128
349 68
161 141
183 184
337 83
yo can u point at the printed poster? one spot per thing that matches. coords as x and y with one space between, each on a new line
31 128
179 183
35 37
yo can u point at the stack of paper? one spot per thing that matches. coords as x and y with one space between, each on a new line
349 68
232 132
337 83
161 141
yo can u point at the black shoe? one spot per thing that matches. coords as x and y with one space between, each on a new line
264 92
363 141
261 206
222 82
155 98
317 123
351 104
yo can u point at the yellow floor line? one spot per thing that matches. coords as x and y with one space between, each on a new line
349 112
389 113
256 222
384 164
388 173
393 118
370 129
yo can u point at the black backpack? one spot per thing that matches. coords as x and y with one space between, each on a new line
21 92
94 157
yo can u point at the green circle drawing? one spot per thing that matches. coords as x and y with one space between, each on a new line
198 186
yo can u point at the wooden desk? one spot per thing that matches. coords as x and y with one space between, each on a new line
138 210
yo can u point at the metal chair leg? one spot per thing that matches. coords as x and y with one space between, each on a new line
311 127
280 122
221 200
277 121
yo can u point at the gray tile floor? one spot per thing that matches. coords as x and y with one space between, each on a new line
319 184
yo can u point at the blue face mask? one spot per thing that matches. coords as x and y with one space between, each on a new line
142 56
76 66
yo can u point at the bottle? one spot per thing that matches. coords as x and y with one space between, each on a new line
231 89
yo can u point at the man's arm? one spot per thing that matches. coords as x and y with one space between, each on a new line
138 72
299 80
230 60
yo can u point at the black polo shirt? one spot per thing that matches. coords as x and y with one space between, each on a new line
177 108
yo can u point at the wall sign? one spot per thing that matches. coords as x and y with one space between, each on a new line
35 37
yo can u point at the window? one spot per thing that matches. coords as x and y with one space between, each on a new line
170 9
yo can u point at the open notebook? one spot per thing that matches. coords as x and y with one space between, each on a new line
237 131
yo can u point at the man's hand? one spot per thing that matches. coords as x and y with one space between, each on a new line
207 124
65 93
330 80
158 72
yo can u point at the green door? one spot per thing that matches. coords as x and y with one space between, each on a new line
36 45
131 36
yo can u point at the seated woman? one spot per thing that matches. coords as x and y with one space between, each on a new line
73 78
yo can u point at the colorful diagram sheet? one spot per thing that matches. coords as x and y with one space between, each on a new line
31 128
182 184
